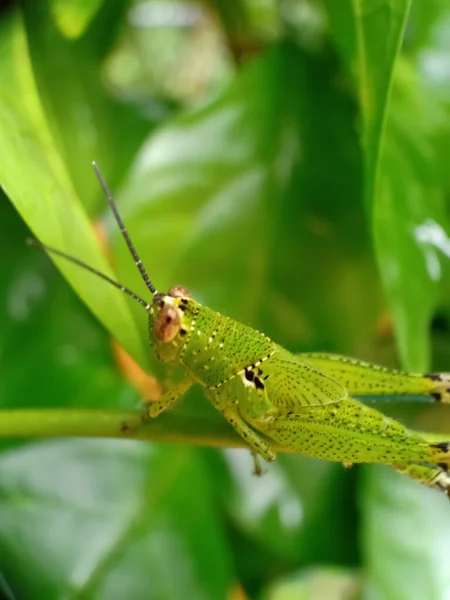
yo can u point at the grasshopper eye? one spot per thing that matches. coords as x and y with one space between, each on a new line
179 291
167 324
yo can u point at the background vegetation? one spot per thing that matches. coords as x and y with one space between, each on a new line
288 161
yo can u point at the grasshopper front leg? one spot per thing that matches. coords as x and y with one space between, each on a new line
153 409
366 379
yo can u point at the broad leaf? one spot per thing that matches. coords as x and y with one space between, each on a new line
99 520
73 16
43 194
409 220
405 535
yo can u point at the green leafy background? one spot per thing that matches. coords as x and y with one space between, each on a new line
287 161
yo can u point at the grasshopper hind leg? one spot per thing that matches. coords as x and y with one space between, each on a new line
433 476
257 445
362 378
224 399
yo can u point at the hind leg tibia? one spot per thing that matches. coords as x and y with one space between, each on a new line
256 443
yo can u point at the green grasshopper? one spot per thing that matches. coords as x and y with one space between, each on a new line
302 402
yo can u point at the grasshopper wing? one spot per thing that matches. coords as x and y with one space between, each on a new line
294 384
288 382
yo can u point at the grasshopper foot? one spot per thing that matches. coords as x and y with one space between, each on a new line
151 410
258 470
126 429
433 476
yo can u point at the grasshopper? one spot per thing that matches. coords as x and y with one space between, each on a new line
267 394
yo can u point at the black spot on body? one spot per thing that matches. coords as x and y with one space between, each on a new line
249 375
183 332
444 446
258 384
433 376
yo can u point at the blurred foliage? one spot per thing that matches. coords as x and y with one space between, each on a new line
287 161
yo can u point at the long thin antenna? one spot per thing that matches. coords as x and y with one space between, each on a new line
80 263
124 231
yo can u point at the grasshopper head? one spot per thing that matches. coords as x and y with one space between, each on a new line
170 319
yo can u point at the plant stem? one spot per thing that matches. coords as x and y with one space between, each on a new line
172 427
176 427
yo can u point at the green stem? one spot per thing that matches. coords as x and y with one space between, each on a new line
170 427
178 427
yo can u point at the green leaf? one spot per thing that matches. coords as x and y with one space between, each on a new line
285 513
402 188
342 22
316 584
87 122
409 220
111 520
379 33
429 50
74 16
46 332
34 177
427 32
405 537
231 200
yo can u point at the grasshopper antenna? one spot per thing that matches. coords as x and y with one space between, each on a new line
80 263
124 231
